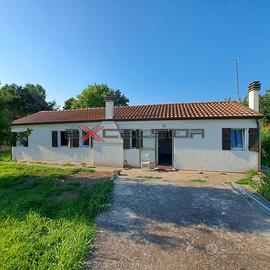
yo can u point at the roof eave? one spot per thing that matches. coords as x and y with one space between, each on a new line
143 119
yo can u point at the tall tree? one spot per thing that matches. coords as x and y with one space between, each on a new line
68 103
18 101
94 96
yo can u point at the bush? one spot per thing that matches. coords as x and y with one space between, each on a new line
264 186
265 143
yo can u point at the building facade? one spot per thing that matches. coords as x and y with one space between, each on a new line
212 136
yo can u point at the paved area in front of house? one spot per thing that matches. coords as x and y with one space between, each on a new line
160 224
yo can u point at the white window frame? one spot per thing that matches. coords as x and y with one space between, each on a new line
244 138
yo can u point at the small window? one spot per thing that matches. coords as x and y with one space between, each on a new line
237 139
85 142
73 137
54 139
23 139
133 139
64 139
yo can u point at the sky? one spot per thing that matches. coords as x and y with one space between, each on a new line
154 51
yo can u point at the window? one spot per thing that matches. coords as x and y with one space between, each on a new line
237 138
22 139
64 140
133 139
54 139
85 142
73 137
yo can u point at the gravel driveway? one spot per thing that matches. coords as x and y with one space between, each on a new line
155 224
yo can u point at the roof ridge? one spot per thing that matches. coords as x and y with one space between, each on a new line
141 105
191 110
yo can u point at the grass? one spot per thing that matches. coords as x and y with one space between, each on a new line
45 222
262 186
5 156
248 180
199 180
149 177
68 165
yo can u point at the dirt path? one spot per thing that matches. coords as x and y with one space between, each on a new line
158 224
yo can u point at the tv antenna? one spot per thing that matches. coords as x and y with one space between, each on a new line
236 62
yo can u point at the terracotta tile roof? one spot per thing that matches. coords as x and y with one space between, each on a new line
200 110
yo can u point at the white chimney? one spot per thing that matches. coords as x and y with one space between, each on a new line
253 95
109 107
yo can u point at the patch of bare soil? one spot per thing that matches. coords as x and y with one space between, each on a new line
87 178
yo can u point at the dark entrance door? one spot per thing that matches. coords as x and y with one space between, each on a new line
164 143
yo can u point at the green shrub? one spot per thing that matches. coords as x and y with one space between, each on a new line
265 143
264 186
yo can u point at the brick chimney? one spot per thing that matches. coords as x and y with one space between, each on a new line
109 107
253 95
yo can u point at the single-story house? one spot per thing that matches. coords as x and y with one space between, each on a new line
213 136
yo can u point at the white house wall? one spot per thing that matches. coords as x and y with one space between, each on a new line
40 145
206 153
195 153
110 151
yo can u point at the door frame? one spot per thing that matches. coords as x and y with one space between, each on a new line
156 146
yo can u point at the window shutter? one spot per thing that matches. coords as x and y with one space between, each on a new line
226 139
126 138
253 139
139 142
54 139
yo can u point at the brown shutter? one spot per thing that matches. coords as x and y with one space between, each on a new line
54 139
139 142
253 139
126 138
226 139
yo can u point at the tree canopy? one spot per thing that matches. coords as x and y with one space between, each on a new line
94 96
17 101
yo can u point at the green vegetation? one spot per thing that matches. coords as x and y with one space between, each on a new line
68 164
47 221
248 180
265 143
199 180
17 101
149 177
262 186
94 96
5 156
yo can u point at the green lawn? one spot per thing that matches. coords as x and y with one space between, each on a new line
47 222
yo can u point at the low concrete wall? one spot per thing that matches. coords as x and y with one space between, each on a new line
5 148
